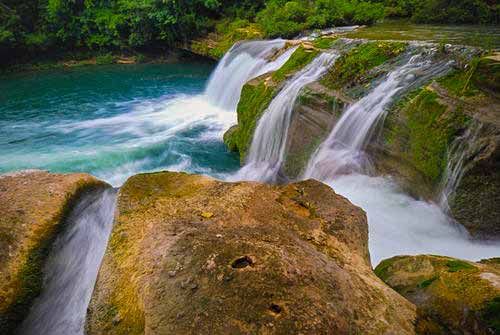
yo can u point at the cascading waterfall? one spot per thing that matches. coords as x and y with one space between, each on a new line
461 149
243 62
71 270
342 152
267 150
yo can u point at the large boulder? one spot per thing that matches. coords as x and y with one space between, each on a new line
452 296
33 205
192 255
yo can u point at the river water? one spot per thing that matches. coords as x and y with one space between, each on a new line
116 121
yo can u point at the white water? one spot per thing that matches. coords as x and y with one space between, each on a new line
401 225
71 271
242 63
398 223
343 151
267 151
461 149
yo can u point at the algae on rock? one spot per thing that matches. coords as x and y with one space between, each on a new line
268 259
33 205
452 295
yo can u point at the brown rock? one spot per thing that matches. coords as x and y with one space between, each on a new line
452 296
32 206
293 259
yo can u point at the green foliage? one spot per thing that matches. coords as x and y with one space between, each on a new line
444 11
104 25
288 18
105 59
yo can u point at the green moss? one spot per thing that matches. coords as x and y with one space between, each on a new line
382 270
324 42
355 64
227 34
430 128
491 314
457 265
31 273
256 96
300 58
253 102
427 282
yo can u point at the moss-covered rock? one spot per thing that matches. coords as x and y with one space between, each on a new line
257 94
452 296
353 66
192 255
422 130
226 34
33 205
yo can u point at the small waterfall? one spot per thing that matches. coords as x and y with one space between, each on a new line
267 150
460 151
71 271
343 151
243 62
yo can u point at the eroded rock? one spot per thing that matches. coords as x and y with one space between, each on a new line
269 260
33 205
452 296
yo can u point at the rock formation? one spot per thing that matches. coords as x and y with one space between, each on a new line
452 296
190 254
33 205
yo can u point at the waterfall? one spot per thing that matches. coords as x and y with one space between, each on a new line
243 62
343 151
460 150
71 270
267 150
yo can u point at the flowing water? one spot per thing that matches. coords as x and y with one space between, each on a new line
116 121
71 271
120 120
343 151
461 149
243 62
267 150
398 223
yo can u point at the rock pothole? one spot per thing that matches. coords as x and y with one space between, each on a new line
242 262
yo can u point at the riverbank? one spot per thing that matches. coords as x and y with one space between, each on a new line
89 58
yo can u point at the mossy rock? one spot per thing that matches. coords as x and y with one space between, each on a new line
193 255
226 34
452 296
256 97
352 67
33 206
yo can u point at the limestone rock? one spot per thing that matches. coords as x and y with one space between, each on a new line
33 204
452 296
270 260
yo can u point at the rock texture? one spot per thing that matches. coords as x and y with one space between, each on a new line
33 205
192 255
452 296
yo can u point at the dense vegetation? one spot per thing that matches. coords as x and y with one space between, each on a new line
445 11
29 27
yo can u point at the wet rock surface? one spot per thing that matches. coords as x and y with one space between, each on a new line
33 205
452 296
192 255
